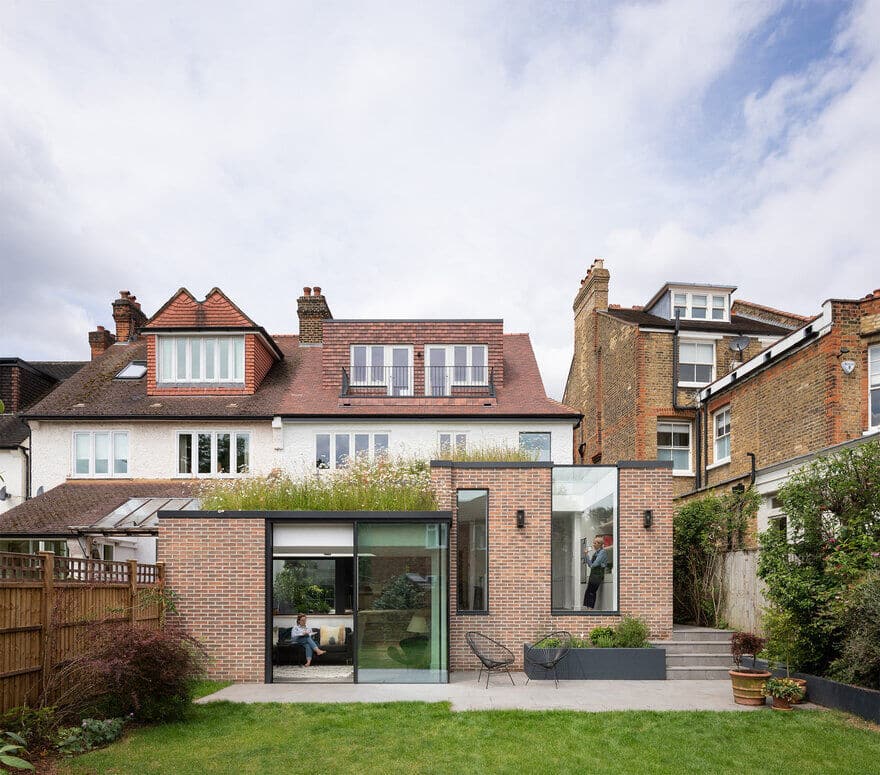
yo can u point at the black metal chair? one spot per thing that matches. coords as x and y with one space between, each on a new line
549 657
494 657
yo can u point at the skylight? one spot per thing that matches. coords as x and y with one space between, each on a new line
134 370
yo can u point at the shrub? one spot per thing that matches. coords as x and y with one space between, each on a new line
859 661
401 593
489 453
601 633
11 745
833 542
745 643
384 484
605 640
92 733
128 669
631 633
292 587
703 530
780 628
36 726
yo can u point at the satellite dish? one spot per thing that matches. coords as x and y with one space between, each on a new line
3 494
739 343
40 490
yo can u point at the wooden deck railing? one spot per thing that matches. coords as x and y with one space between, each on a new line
46 604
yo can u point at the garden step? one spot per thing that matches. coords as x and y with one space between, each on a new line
701 634
699 659
697 673
692 646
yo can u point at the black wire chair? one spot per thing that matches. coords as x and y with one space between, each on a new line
494 657
549 657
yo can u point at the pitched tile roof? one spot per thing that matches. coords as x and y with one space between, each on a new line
84 502
736 325
292 387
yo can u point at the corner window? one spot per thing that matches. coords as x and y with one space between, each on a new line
536 443
336 450
674 443
100 453
386 367
696 363
584 540
200 359
721 424
453 365
473 557
874 386
452 442
213 453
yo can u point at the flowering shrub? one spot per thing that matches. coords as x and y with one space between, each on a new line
385 484
489 453
745 644
783 688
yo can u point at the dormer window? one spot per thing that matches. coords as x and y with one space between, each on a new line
200 359
386 367
699 306
453 365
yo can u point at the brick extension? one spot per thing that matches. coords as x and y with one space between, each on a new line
216 566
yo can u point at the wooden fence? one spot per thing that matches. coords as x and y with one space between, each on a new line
48 602
743 596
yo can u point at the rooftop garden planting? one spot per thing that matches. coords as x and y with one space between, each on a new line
386 484
489 453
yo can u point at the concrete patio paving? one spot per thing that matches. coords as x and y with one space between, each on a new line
465 694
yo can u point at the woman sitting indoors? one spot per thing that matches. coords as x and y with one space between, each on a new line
303 635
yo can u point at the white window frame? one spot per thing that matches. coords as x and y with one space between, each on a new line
114 434
387 363
194 462
689 471
371 452
232 363
715 437
873 380
709 343
709 306
451 366
453 441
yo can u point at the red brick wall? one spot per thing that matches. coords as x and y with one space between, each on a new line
20 387
519 559
340 335
217 569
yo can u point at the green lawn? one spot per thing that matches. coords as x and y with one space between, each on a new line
429 738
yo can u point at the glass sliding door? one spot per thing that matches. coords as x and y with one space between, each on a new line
402 623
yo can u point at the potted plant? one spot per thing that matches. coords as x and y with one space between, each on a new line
781 639
784 691
747 682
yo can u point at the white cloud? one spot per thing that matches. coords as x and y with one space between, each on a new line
439 160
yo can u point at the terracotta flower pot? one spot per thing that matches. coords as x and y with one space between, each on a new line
780 704
747 686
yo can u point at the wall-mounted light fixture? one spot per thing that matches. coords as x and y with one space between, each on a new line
520 518
648 518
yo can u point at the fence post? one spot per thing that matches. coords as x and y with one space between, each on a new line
132 589
46 609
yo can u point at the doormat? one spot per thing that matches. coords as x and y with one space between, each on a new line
314 673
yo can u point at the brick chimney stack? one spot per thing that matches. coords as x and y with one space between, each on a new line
128 317
312 310
593 293
100 340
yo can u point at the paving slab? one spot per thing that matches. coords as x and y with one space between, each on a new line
464 694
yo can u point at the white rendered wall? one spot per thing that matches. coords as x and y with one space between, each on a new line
152 448
419 438
13 471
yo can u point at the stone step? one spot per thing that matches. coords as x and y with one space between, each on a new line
697 673
699 659
701 634
691 646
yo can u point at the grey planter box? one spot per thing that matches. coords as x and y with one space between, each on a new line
833 694
604 664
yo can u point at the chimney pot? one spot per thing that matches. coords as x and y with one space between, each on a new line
307 291
317 290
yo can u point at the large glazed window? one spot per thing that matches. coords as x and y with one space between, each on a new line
584 539
313 586
200 359
213 453
536 443
473 557
874 382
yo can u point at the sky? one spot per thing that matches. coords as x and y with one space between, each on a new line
431 160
